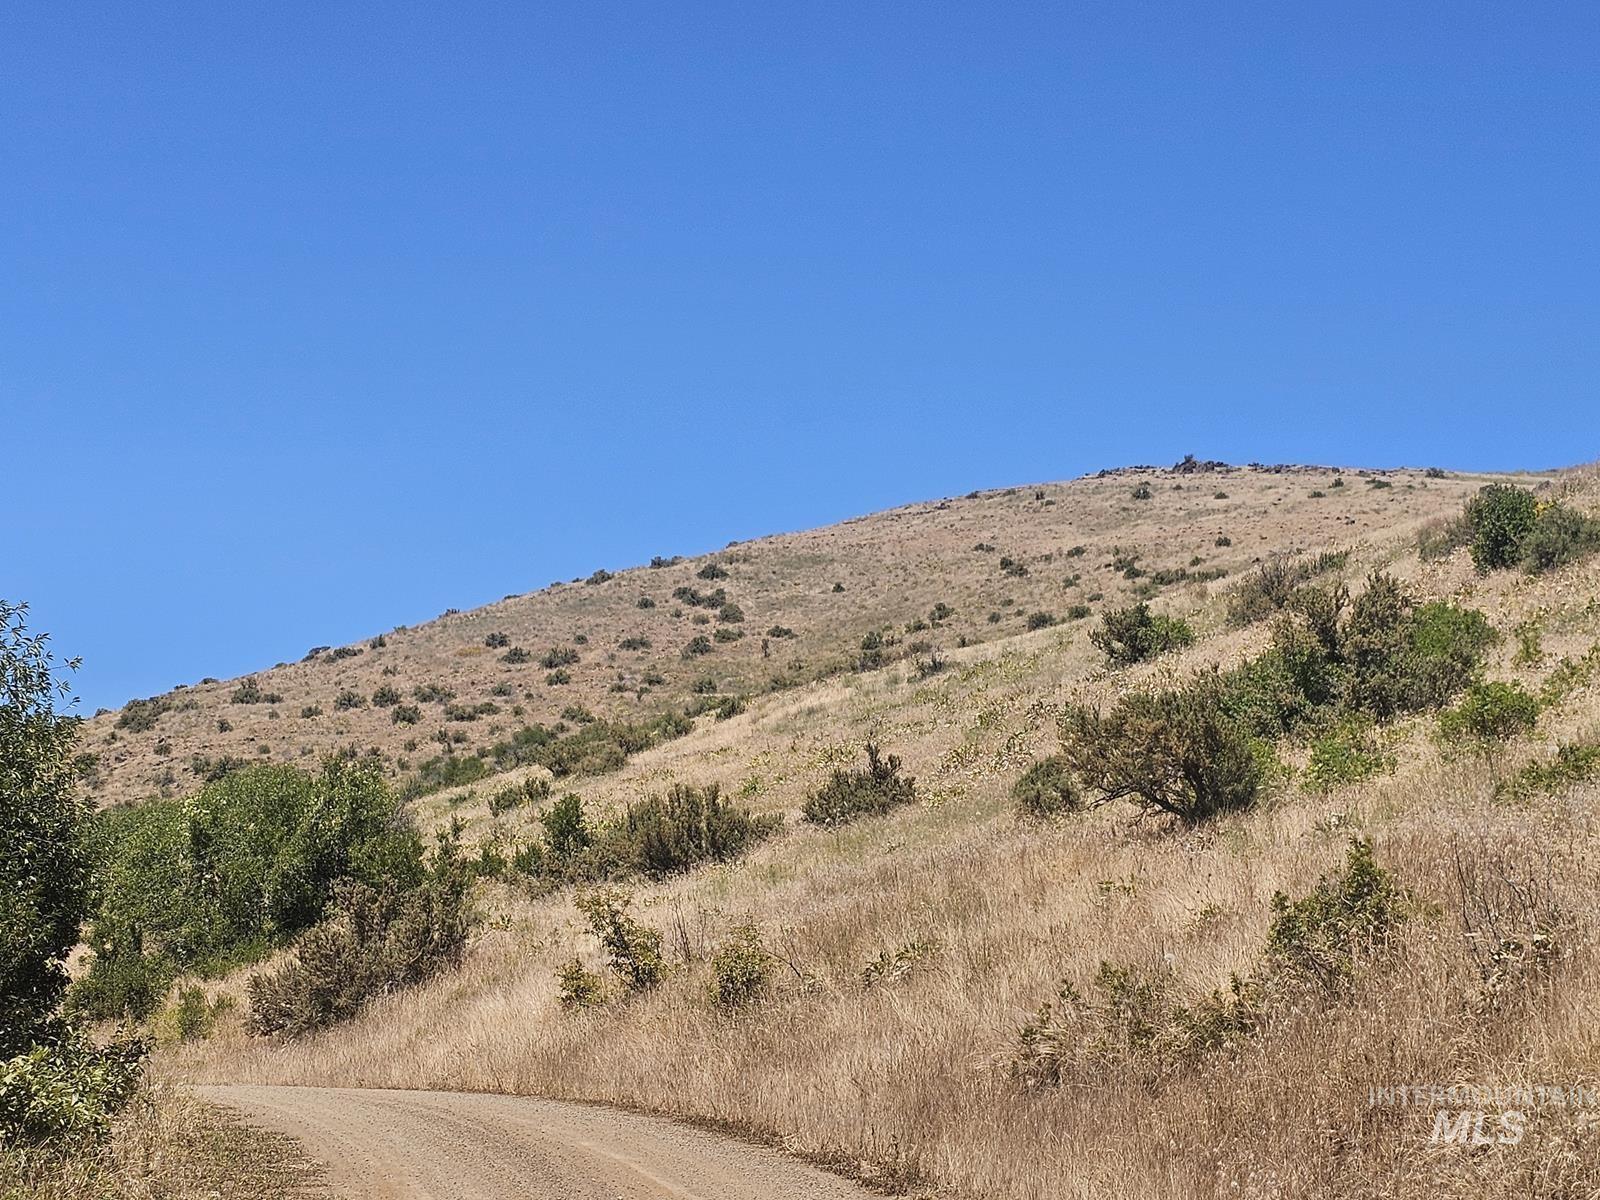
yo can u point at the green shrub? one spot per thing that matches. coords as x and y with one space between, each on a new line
665 835
634 643
516 657
1040 620
712 570
348 699
377 941
697 646
1047 789
1176 751
633 950
557 657
578 987
1142 492
741 969
1274 585
1319 938
1500 517
851 794
1135 634
1559 536
533 790
1077 612
405 714
62 1093
249 692
1490 712
1403 657
385 697
1347 753
1574 763
140 716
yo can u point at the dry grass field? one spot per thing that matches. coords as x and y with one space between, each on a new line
911 948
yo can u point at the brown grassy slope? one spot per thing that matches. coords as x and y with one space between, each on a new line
894 566
987 914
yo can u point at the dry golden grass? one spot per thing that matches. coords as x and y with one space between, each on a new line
895 567
905 1083
168 1146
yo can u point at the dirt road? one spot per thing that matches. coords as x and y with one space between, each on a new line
467 1146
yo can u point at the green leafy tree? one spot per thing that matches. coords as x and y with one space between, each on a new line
43 871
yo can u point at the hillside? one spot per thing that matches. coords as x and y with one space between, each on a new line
957 999
774 613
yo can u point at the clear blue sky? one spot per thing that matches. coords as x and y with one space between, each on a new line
319 318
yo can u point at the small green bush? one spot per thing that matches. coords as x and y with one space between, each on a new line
578 987
557 657
1574 763
1346 754
1490 712
385 697
672 833
405 714
741 969
496 641
1500 517
63 1093
697 646
633 950
1135 634
1040 620
1559 536
851 794
1319 938
349 699
1047 789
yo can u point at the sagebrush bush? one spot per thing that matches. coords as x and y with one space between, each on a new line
1047 789
1135 634
378 940
668 834
1176 751
1559 536
851 794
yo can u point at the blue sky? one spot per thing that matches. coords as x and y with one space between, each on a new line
320 318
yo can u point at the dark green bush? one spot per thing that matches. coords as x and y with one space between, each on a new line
496 641
1574 763
405 714
697 646
349 699
851 794
140 716
1347 753
1047 789
1176 751
1135 634
249 692
666 835
1559 536
1500 517
60 1094
557 657
1040 620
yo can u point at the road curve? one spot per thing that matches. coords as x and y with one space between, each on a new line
397 1145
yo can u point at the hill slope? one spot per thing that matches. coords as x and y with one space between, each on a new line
993 559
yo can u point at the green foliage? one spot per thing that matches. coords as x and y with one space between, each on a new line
530 791
1490 712
665 835
741 969
1273 585
405 714
1047 789
851 794
1347 753
633 949
1135 634
558 657
62 1093
217 879
43 861
1176 751
1319 938
579 987
1574 763
1559 536
249 692
566 833
349 699
377 940
386 696
140 716
697 646
1040 620
1403 657
1500 517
